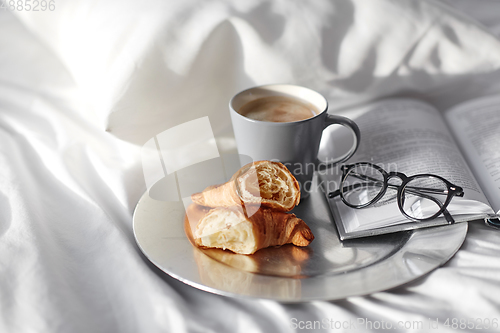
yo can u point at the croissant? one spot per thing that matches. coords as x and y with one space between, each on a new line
229 228
267 183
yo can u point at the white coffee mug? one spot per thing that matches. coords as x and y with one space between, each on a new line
293 143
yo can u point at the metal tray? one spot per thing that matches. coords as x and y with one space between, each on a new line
327 269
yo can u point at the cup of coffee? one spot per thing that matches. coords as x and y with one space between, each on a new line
283 122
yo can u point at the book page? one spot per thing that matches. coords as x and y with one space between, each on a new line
410 137
476 127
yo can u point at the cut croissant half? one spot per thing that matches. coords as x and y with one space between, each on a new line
229 228
264 183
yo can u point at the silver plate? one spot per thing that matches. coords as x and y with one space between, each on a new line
327 269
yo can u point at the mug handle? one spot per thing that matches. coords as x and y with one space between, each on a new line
346 122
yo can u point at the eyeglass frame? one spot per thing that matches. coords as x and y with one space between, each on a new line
453 190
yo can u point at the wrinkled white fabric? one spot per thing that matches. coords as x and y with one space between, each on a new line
84 86
146 66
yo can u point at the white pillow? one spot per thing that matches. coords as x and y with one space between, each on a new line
146 66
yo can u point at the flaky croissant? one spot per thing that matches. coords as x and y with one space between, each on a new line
266 183
229 228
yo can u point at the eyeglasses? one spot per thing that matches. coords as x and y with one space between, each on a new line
420 197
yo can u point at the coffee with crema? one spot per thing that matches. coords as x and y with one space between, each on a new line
281 109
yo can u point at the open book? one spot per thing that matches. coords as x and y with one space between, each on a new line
461 144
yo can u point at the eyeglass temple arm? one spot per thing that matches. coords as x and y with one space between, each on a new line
409 189
419 189
448 216
335 193
458 193
354 186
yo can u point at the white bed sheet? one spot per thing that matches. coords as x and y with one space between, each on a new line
83 87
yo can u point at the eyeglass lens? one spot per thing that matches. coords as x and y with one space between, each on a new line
362 185
424 196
